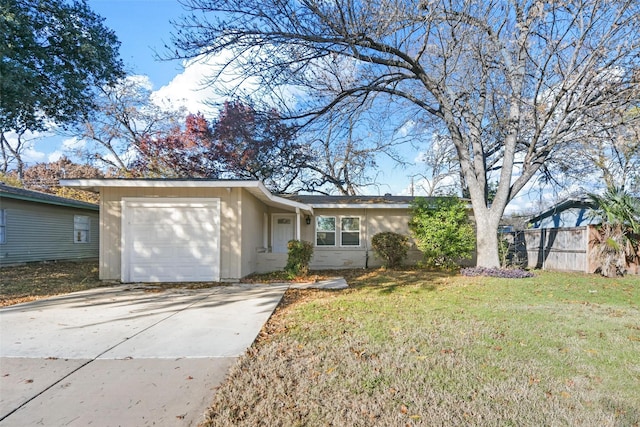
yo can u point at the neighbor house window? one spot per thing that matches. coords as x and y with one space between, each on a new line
325 231
81 227
3 226
350 231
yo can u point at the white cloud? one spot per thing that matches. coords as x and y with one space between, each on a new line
31 155
407 128
140 80
189 89
204 81
66 148
74 143
54 156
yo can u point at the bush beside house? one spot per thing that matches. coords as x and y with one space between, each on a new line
391 248
299 256
442 230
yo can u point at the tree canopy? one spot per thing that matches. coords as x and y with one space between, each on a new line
507 81
54 54
124 117
240 143
253 144
45 177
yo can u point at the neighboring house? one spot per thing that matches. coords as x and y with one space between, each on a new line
204 230
37 226
574 212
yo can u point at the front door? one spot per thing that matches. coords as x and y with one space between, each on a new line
283 231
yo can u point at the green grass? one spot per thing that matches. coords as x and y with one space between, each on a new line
420 348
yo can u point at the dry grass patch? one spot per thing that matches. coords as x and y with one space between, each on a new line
34 281
426 348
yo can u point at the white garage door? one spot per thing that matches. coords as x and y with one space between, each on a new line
170 240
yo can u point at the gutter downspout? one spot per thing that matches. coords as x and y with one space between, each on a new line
366 238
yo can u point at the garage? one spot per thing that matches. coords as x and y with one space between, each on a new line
170 240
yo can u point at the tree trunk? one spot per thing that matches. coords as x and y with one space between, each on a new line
5 158
487 238
16 153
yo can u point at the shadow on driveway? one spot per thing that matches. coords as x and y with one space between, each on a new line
123 355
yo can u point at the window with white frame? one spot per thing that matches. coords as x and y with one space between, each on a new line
325 231
81 228
3 226
350 231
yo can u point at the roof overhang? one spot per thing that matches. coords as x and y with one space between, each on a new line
361 205
54 200
571 203
256 188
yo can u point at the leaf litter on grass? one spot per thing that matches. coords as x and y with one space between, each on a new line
452 351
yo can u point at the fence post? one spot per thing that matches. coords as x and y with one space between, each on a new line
587 255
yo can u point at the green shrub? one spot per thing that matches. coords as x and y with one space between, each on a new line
391 248
299 256
442 230
503 251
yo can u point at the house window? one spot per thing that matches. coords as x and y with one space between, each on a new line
350 231
3 226
325 231
81 227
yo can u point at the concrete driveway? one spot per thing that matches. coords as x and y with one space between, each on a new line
124 356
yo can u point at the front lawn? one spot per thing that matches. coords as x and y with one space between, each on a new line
33 281
420 348
37 280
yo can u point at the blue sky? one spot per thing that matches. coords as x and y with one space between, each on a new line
143 28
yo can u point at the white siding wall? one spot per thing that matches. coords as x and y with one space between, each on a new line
372 221
253 216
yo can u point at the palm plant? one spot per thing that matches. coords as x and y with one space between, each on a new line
618 238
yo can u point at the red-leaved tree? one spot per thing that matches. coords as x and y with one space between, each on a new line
182 152
241 143
251 144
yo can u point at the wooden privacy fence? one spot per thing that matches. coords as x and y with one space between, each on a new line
560 249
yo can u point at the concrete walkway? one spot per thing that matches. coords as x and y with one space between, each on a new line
124 356
335 283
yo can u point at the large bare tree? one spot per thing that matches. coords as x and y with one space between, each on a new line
509 80
343 153
125 115
611 153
